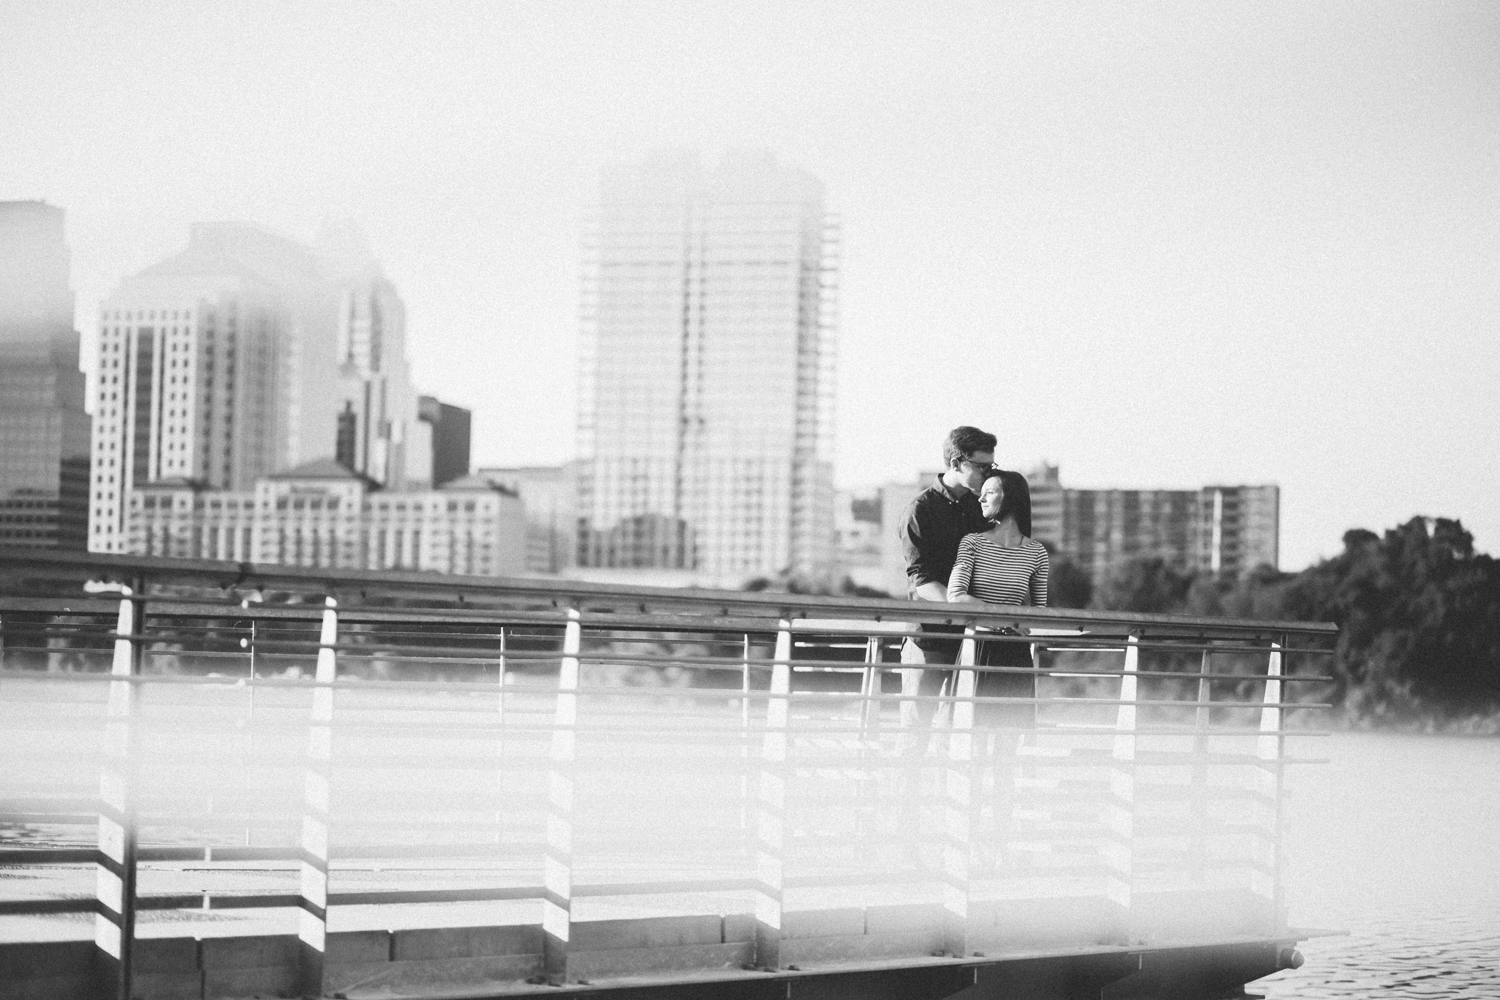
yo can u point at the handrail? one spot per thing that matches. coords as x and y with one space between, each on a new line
350 585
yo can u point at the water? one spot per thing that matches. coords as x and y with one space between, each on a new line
1397 841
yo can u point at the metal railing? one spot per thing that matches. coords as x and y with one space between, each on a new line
552 754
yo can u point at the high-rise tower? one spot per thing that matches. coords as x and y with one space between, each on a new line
243 355
44 431
373 387
706 371
195 370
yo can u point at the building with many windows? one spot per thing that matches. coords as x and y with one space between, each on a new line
44 431
706 373
323 514
191 386
1219 529
243 355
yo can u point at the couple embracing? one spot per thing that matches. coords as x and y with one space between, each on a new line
967 538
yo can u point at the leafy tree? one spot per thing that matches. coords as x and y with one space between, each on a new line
1419 618
1069 585
1151 585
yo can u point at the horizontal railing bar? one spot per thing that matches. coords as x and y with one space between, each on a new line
434 651
1108 643
57 564
434 730
492 688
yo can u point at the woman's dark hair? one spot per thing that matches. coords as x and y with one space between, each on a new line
1016 501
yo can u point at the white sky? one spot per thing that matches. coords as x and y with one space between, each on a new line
1162 245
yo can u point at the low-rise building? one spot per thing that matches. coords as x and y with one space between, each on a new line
322 514
550 495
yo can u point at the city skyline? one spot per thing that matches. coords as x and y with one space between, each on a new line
1241 246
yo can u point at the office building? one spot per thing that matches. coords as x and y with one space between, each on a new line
1239 528
549 494
322 514
449 435
44 431
241 356
706 372
1217 529
194 380
857 521
373 405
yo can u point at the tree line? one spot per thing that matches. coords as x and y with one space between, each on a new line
1418 612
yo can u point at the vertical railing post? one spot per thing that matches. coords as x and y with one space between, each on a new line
114 921
770 833
868 815
1265 872
959 806
500 742
745 738
557 886
1120 847
870 687
500 700
317 810
1200 770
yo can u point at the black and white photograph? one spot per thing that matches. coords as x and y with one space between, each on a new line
651 500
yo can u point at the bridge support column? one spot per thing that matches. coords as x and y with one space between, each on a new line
1265 872
114 923
312 918
770 831
959 806
557 884
1120 811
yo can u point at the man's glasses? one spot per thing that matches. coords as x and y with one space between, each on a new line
979 466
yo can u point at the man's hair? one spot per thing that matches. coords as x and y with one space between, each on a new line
965 441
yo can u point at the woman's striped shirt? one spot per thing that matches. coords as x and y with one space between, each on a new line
1000 574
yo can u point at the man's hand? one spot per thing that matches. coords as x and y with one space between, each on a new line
932 591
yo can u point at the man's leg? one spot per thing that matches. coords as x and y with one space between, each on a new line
921 687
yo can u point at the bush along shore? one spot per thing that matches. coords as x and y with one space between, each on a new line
1417 608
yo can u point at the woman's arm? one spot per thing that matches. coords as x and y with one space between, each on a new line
963 572
1039 579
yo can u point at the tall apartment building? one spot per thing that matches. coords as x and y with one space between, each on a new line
1239 528
44 431
1220 529
322 514
235 359
706 372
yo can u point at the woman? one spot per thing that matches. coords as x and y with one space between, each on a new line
1001 566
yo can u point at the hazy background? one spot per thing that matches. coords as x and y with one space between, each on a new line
1163 246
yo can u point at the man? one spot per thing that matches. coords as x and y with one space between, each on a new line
933 525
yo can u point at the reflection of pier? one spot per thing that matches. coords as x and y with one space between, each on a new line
270 780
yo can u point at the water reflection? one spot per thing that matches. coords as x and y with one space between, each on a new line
1395 841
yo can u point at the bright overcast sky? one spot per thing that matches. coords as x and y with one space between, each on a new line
1161 245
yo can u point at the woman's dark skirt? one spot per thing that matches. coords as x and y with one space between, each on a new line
1002 684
